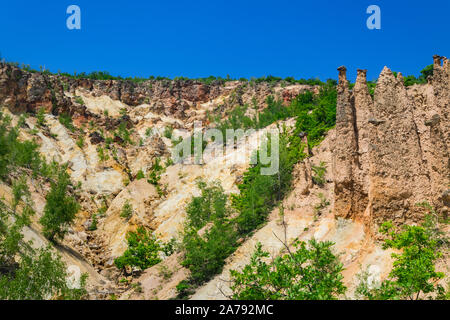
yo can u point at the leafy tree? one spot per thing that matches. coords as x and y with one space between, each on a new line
312 272
25 272
413 275
60 209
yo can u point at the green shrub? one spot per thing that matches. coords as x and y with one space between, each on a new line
80 142
259 194
40 117
168 132
127 210
102 155
123 133
40 275
140 175
66 120
318 176
143 250
79 100
155 172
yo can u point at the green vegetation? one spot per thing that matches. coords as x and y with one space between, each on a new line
80 142
168 132
212 228
66 120
321 205
144 250
102 154
155 175
27 273
60 209
16 155
424 74
312 272
140 175
319 174
127 210
205 254
40 274
94 223
105 75
413 275
259 194
40 117
123 133
79 100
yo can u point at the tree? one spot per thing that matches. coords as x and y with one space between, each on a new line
143 250
312 272
25 272
41 274
413 275
60 209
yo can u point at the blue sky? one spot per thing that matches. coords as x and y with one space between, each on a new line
198 38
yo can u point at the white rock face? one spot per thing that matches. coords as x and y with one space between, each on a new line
102 104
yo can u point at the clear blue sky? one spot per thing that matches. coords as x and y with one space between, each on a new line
198 38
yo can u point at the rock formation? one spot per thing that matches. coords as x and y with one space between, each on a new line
392 152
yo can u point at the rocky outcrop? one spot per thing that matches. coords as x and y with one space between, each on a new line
23 91
391 152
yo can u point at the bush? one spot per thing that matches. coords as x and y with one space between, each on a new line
40 117
80 142
140 175
79 100
312 272
168 132
66 120
15 154
127 210
319 174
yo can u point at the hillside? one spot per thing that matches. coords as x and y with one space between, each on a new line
369 158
